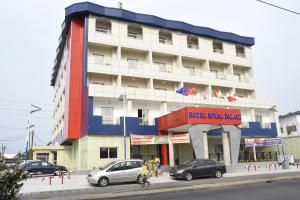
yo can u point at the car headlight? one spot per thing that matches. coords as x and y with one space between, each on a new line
180 171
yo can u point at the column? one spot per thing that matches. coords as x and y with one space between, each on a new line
198 136
233 138
171 153
119 81
252 115
129 108
205 142
226 149
276 120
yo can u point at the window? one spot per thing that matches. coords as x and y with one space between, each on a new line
108 152
281 129
118 167
238 76
258 118
192 42
132 63
290 129
107 115
209 162
165 37
103 26
113 152
42 156
191 70
240 51
135 31
161 67
133 164
35 163
214 73
143 116
218 47
45 164
99 59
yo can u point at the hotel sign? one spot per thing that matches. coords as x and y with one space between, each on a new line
214 116
159 139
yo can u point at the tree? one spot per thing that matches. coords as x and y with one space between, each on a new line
10 182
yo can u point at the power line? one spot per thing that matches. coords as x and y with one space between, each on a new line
14 139
291 11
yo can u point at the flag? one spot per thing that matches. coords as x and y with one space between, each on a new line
182 90
231 97
203 94
191 91
220 95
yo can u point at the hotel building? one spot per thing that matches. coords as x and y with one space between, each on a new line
107 53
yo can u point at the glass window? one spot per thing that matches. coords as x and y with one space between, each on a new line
107 115
143 116
217 47
35 163
119 166
103 152
258 118
161 67
45 164
209 162
113 152
99 59
132 63
133 164
240 51
191 70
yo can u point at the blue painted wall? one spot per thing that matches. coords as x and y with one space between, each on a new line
95 127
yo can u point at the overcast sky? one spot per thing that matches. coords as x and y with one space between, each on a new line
29 37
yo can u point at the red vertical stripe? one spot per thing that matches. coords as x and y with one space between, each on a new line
76 79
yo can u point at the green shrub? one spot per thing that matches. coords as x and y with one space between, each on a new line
10 182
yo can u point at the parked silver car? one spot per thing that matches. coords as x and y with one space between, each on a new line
116 172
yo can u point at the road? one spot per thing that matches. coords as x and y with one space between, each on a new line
277 190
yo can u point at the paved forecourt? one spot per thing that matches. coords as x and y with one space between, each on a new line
78 182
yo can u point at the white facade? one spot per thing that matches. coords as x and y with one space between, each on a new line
290 124
150 64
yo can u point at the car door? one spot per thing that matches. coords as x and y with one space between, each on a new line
133 170
34 167
117 172
211 167
47 168
200 169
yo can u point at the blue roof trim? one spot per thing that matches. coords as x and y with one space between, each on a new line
85 8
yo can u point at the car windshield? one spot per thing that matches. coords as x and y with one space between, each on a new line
107 165
188 162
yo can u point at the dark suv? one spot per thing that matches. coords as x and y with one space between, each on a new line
198 168
42 167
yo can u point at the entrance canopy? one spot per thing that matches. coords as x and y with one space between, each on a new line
183 119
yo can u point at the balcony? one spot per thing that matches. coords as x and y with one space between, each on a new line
172 96
165 41
135 36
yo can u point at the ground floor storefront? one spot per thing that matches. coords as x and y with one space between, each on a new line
96 151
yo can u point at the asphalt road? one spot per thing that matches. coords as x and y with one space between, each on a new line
277 190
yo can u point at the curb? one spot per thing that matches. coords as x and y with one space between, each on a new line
149 192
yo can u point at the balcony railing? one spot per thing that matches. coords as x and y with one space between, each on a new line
242 55
104 30
135 36
171 96
220 51
165 41
193 46
265 125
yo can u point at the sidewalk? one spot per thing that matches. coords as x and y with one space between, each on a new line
40 186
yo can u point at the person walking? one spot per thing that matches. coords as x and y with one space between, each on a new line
157 166
145 174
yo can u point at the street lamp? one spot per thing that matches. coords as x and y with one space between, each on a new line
123 98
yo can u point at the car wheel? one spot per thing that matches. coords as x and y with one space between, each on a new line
103 182
188 176
218 174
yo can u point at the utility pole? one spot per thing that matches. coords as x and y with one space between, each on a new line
29 137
